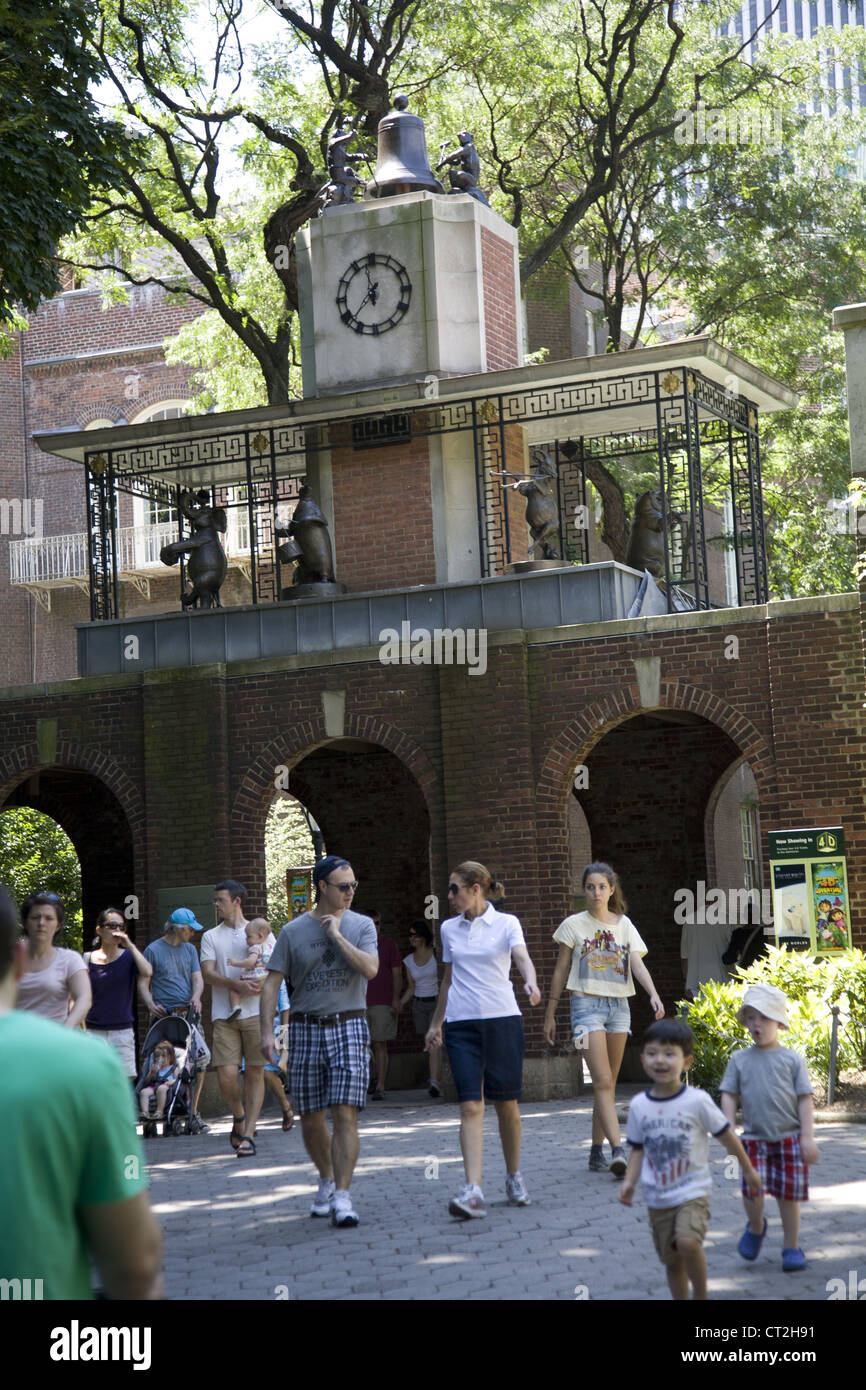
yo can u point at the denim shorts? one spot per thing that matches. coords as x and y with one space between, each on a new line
486 1057
594 1013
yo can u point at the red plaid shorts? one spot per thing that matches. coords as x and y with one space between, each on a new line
781 1168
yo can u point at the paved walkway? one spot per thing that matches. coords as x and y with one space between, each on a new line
241 1229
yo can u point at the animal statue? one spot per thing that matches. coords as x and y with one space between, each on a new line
207 565
542 505
646 545
342 179
464 168
308 544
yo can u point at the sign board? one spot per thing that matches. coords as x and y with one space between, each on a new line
198 898
809 876
299 890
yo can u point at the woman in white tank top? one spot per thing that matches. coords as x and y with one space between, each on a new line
422 971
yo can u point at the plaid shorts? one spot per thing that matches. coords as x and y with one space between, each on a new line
780 1167
328 1064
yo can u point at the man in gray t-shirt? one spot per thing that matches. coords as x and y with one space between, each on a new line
327 956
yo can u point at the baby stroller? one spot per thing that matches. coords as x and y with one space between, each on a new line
177 1030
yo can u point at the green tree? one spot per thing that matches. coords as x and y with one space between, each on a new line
55 144
577 90
36 855
287 846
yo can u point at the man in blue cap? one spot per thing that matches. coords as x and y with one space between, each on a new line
176 984
327 956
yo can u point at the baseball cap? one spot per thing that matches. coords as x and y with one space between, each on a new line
326 866
183 917
768 1000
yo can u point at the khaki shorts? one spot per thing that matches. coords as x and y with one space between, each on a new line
382 1023
123 1042
237 1039
690 1219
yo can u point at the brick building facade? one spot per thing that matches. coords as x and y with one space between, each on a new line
166 778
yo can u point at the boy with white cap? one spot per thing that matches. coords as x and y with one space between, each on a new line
774 1090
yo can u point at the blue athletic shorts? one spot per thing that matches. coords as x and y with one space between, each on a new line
486 1057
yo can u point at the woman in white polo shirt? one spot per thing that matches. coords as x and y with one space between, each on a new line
480 1020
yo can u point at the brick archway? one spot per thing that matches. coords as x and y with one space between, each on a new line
23 762
573 744
113 866
287 750
255 794
580 736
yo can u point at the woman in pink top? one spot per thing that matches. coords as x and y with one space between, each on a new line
55 982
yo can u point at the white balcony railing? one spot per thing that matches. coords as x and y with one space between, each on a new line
43 563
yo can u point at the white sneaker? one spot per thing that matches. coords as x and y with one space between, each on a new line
321 1205
468 1202
342 1211
515 1191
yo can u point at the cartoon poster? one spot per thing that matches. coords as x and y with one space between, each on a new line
830 896
299 891
810 890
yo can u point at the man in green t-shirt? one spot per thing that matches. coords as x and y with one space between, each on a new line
72 1175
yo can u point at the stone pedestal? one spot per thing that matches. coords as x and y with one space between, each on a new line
406 287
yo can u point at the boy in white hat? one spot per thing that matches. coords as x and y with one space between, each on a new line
773 1087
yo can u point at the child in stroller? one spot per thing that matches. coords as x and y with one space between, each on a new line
171 1044
158 1082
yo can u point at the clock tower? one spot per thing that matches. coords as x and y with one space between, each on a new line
409 284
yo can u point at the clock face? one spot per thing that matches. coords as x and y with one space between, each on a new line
374 294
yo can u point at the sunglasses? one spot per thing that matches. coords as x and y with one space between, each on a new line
453 888
343 887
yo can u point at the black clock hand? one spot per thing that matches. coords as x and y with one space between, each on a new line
372 294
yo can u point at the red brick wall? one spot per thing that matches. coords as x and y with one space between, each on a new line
383 516
487 761
501 304
69 394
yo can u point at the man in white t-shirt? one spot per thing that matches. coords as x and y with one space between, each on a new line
702 946
235 1038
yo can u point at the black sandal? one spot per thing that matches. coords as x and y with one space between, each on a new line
237 1133
248 1152
288 1120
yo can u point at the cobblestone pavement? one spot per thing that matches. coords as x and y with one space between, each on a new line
241 1229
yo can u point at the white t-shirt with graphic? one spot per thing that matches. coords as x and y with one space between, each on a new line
673 1132
600 964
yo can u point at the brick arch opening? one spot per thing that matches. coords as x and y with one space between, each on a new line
375 796
96 823
645 779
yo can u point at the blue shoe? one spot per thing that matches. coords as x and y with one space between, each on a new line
750 1244
793 1260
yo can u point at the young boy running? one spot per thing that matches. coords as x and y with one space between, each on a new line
668 1130
775 1092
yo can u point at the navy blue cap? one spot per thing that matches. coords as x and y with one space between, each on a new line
326 866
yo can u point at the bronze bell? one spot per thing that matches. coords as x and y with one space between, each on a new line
401 160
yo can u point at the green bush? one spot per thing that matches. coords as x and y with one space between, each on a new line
811 986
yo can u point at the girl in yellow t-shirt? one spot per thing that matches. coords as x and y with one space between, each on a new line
600 954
